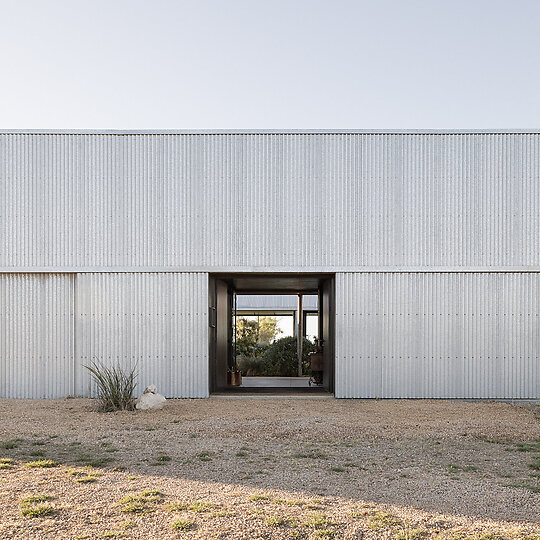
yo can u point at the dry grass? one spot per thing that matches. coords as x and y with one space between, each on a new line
271 468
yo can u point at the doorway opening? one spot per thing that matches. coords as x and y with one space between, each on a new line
271 332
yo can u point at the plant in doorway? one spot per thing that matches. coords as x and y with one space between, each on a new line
279 359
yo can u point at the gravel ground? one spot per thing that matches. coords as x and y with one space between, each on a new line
262 467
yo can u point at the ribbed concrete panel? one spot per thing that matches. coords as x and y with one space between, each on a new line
293 201
158 322
461 335
36 335
275 301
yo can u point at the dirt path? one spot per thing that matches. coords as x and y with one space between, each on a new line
272 468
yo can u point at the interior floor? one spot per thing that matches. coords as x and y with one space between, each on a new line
275 382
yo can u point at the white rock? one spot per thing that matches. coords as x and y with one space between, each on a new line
150 399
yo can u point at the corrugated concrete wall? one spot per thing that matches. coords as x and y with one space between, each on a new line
440 335
180 205
51 325
158 322
295 201
36 335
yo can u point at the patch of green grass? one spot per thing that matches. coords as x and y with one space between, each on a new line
198 507
485 536
411 534
38 510
524 485
137 503
350 464
88 479
259 498
274 521
31 499
6 463
382 520
37 453
133 506
527 446
204 456
162 458
178 506
319 522
535 464
38 443
337 469
241 453
201 506
81 472
10 445
92 461
42 463
312 454
183 525
152 494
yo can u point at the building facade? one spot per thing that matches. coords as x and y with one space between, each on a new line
109 240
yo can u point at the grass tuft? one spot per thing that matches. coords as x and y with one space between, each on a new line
10 445
274 521
38 510
6 463
138 503
115 386
161 460
42 463
259 498
31 499
90 478
183 525
382 520
411 534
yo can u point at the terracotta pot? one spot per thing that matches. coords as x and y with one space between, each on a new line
234 378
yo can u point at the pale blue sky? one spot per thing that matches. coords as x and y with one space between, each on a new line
216 64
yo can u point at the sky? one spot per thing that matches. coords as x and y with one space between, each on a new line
272 64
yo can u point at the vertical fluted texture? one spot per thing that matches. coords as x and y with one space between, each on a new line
269 200
440 335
